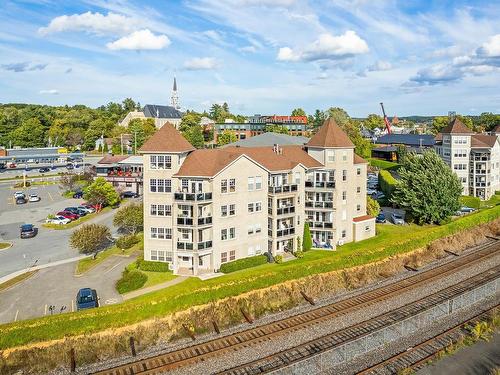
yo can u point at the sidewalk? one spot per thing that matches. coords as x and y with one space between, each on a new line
153 288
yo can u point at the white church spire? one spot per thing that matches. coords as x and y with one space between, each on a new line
174 99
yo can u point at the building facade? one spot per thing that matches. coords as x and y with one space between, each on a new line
124 172
475 158
203 208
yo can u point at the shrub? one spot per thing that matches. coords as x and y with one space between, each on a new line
21 184
307 241
387 183
278 259
146 265
131 280
241 264
468 201
126 242
299 254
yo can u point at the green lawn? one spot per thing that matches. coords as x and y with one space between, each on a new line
154 278
77 222
383 164
391 240
4 245
16 280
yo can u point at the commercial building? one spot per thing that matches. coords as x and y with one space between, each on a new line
203 208
258 124
387 145
35 155
475 158
123 171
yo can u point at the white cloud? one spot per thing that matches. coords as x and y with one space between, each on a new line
491 48
95 23
380 65
140 40
267 3
327 47
49 92
249 49
201 63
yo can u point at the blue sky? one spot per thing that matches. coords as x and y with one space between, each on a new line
260 56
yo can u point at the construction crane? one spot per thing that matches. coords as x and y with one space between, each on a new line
386 120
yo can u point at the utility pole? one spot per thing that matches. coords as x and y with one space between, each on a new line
135 142
121 142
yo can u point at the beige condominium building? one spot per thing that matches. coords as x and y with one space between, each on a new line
206 207
475 158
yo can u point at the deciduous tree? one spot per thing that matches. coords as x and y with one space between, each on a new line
298 112
226 137
372 206
130 218
195 136
101 192
90 238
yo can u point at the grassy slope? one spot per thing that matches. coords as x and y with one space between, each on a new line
4 245
391 240
16 280
154 278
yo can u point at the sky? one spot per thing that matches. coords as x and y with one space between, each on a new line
259 56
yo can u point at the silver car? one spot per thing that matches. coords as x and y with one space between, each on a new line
397 219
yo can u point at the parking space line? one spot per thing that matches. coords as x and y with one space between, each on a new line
15 318
50 196
112 268
72 306
45 313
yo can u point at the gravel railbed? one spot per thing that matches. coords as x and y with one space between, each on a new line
289 340
389 350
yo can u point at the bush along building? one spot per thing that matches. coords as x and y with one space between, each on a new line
203 208
475 158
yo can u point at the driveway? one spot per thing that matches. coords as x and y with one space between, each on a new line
57 286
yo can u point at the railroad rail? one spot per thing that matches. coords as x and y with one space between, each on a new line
250 337
416 357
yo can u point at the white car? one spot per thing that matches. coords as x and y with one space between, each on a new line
19 194
378 195
58 220
371 191
86 209
33 198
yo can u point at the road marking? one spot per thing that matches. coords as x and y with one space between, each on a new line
45 313
15 318
112 268
111 301
72 306
50 196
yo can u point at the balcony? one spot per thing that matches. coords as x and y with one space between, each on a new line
283 189
285 232
184 221
320 185
184 246
204 245
193 197
285 210
321 224
205 220
319 204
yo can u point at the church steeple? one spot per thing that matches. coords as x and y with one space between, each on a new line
174 99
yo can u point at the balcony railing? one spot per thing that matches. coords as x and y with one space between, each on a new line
285 232
204 245
320 184
193 197
205 220
184 221
184 246
190 247
312 204
321 224
285 210
283 189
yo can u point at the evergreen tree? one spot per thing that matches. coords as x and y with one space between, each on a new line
307 239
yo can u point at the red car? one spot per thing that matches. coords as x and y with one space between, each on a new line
68 215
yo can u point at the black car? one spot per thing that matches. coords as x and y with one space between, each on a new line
21 200
28 231
129 194
78 195
70 166
44 170
76 211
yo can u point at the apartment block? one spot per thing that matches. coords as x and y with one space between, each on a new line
203 208
475 158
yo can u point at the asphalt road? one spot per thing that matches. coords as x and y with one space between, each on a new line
49 245
57 287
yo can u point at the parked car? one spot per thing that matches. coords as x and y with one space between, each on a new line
34 198
371 191
60 220
12 165
88 207
21 200
19 194
68 215
44 170
78 195
129 194
76 211
378 195
86 298
380 218
397 219
467 210
88 210
69 166
28 231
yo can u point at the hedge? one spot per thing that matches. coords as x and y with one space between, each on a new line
473 202
131 280
146 265
127 241
241 264
384 164
387 183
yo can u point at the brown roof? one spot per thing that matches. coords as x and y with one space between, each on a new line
456 127
359 160
496 129
438 137
362 218
330 135
208 163
483 140
112 159
167 139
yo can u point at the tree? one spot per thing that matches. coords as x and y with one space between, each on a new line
339 115
427 188
319 118
31 133
307 239
128 105
374 121
275 128
401 152
189 120
372 206
298 112
439 122
226 137
141 130
68 182
90 238
105 149
488 120
101 192
130 218
194 135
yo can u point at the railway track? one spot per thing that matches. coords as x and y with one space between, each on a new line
199 352
418 356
